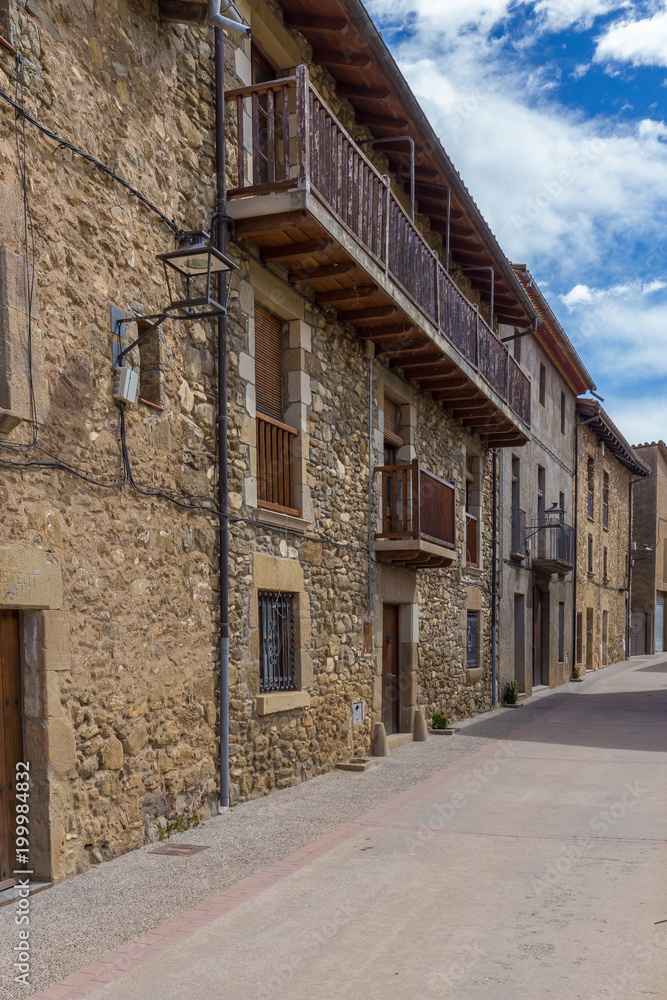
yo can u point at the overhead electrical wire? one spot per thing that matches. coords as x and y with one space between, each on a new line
65 144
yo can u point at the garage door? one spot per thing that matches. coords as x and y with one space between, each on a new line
660 623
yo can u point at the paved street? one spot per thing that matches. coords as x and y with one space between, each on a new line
535 867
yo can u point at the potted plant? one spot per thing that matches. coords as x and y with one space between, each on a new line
511 693
439 725
576 674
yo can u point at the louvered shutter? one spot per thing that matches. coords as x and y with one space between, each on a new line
268 364
390 416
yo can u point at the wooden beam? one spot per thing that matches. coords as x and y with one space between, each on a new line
388 332
265 223
382 121
305 275
345 294
411 352
315 22
469 412
429 360
444 378
376 312
182 12
420 370
287 250
446 396
331 57
352 91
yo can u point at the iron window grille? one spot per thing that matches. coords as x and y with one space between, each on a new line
277 671
472 658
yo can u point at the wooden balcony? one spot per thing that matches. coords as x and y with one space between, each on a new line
418 517
275 465
312 202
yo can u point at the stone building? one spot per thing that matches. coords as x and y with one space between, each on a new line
536 584
359 340
605 469
649 556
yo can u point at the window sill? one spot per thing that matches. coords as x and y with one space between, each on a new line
281 701
473 675
280 520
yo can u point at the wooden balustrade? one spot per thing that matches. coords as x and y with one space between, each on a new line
417 504
275 465
287 136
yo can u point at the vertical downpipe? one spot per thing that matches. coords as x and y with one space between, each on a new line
221 218
494 581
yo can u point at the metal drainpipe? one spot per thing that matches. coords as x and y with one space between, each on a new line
494 580
221 214
370 486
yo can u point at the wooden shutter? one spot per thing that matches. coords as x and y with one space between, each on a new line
268 364
390 416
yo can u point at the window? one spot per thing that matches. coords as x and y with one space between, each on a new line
580 637
590 553
151 366
562 412
605 499
590 477
275 440
277 671
561 632
268 363
604 564
262 72
392 423
472 654
543 385
561 504
473 509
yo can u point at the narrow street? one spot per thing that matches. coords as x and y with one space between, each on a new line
533 868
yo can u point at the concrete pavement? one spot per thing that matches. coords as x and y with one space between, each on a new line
534 868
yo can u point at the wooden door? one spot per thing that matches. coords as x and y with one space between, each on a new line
589 638
390 669
537 636
519 641
11 738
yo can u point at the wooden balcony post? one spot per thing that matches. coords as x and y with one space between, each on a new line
303 127
386 222
416 512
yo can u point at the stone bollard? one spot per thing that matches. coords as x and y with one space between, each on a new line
380 745
419 731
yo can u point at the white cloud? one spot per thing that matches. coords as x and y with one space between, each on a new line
562 14
638 41
583 295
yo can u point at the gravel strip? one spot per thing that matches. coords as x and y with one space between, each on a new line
78 921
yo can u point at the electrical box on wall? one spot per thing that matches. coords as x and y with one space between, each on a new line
357 711
126 385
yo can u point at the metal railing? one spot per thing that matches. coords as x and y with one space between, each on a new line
555 543
275 465
417 504
518 531
287 137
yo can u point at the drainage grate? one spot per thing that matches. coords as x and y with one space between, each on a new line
181 850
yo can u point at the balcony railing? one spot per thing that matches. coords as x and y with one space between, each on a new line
417 504
287 137
518 531
471 540
275 465
555 544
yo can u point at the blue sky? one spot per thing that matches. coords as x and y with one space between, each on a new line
554 112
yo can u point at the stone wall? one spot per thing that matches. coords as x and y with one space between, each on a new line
594 591
130 718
